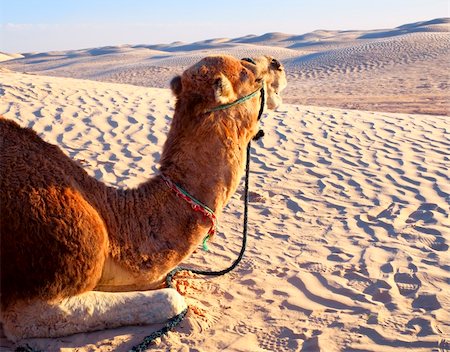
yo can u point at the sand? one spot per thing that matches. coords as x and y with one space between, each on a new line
404 69
349 227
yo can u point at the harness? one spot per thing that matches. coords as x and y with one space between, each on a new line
207 212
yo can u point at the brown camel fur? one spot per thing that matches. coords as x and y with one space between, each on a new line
65 235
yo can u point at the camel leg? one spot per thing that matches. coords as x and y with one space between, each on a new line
90 311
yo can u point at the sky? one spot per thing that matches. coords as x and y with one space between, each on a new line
44 25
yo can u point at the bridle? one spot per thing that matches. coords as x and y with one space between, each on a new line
246 97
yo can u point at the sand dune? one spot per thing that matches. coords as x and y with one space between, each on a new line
404 69
6 57
349 221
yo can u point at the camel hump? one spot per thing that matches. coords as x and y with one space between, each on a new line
8 124
53 240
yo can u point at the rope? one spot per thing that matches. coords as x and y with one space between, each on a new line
170 325
236 102
177 319
244 236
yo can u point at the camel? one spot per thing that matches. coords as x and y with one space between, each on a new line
77 255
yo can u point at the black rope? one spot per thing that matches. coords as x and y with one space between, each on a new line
261 108
244 236
177 319
170 325
263 96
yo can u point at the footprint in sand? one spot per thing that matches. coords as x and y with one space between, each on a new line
314 267
423 327
199 319
380 291
254 197
437 243
424 213
427 301
337 255
408 284
422 220
277 339
248 266
278 271
357 280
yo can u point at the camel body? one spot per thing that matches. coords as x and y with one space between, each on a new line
75 251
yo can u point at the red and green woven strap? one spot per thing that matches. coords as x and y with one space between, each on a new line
196 205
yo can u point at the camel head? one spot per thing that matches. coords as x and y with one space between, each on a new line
210 111
218 80
274 76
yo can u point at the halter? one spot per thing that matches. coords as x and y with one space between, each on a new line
245 98
237 102
195 205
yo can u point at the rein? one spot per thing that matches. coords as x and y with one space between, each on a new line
207 212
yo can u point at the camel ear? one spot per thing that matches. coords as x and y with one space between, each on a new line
223 89
275 64
252 67
257 72
175 85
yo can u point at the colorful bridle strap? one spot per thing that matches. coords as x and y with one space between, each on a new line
195 205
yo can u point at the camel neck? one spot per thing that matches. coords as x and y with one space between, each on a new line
210 171
208 162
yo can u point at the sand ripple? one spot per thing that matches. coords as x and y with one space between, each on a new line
349 226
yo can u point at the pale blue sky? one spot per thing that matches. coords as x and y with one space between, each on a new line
43 25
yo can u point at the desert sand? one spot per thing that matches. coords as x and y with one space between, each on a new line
404 69
349 227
